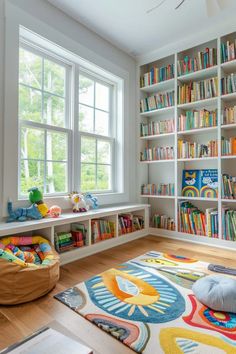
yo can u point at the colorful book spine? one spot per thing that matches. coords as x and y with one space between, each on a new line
196 91
157 101
102 230
158 189
197 119
229 115
156 75
187 149
157 153
63 241
194 221
228 84
228 224
228 51
163 222
129 223
156 128
228 186
228 146
203 60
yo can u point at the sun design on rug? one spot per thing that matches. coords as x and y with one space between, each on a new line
133 293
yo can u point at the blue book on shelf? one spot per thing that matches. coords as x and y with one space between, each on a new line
191 183
209 183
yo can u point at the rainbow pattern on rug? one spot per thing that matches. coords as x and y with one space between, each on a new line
148 305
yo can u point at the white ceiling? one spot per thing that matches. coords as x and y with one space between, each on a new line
128 26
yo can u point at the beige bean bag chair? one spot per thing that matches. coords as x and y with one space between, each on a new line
29 268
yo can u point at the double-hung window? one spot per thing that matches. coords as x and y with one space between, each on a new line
67 134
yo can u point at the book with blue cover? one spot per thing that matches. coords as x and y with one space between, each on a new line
200 183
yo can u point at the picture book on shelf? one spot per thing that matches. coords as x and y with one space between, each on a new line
200 183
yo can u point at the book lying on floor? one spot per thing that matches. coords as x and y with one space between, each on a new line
47 340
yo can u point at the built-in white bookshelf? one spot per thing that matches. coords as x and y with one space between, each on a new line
170 170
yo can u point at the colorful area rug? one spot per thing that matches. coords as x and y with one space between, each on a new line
147 304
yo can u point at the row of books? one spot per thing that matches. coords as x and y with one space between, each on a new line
128 223
195 91
156 128
203 60
228 224
228 51
228 84
160 100
158 189
102 229
156 75
196 222
228 186
187 149
229 115
157 153
65 241
228 146
163 222
197 119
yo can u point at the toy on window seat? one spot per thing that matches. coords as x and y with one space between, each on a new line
79 202
91 200
36 197
23 214
54 211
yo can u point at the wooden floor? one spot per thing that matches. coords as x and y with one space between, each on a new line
19 321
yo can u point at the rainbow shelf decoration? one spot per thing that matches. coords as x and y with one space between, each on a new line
200 183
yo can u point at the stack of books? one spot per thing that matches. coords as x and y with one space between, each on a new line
195 91
197 119
79 232
158 189
228 224
102 230
228 51
228 84
163 222
158 101
187 149
228 146
63 241
156 75
156 128
129 223
229 115
194 221
157 153
203 60
228 186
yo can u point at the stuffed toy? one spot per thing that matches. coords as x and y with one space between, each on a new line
54 211
36 197
79 203
91 200
23 214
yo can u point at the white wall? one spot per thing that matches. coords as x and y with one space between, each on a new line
41 17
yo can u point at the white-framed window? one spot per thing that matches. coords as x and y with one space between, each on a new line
67 127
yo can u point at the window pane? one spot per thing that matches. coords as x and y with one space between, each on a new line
101 122
30 69
56 146
103 152
30 104
88 149
88 177
102 97
56 180
54 77
86 90
32 143
54 110
31 174
103 177
85 119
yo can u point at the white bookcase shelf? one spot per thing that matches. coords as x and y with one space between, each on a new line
48 226
156 172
